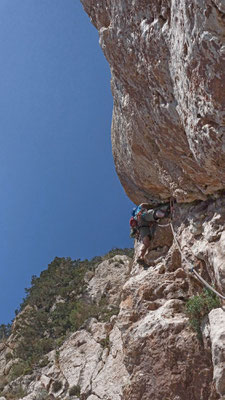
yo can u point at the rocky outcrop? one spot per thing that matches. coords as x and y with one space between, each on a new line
107 280
167 60
164 356
90 363
148 350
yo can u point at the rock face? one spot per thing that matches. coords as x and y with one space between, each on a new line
164 357
167 60
148 351
217 334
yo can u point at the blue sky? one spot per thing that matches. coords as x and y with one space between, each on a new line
60 195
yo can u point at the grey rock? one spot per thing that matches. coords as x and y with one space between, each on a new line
168 72
217 334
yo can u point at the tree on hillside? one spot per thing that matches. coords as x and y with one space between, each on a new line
5 331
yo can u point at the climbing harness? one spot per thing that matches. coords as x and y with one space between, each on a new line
136 223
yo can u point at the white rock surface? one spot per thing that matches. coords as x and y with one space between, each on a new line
217 335
79 359
108 279
109 382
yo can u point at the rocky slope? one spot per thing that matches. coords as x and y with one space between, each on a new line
87 358
149 350
167 59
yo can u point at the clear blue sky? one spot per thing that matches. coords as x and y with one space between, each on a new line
60 195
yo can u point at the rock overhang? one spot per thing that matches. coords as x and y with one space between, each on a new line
167 61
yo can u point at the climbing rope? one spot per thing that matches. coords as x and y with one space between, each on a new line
191 269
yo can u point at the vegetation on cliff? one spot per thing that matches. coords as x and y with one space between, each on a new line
199 306
55 305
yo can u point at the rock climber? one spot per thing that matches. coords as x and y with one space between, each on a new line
143 224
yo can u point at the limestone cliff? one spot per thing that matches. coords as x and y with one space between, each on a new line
167 59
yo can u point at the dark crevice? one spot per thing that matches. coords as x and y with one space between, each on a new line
221 13
185 49
163 19
94 394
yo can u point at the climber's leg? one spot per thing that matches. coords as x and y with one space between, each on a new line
144 247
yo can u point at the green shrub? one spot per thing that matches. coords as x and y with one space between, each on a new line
16 393
115 252
107 313
45 323
105 343
57 385
8 357
3 383
197 307
59 341
75 391
19 369
81 312
42 395
5 331
21 392
57 354
43 362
